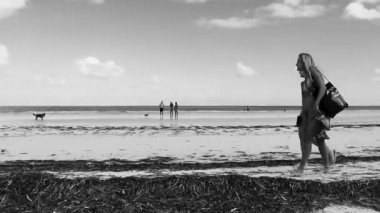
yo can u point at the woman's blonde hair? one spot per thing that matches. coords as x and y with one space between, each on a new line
308 63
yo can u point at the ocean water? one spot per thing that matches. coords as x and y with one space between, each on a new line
19 121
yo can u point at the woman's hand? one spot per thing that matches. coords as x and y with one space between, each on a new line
315 111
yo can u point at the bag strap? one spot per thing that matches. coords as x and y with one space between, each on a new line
324 76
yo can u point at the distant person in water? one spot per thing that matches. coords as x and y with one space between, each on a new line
161 106
171 110
312 123
176 110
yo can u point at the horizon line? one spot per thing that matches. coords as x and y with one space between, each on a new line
221 105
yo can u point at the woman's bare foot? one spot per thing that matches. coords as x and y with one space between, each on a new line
326 169
297 170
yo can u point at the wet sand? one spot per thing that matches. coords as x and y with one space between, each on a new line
194 144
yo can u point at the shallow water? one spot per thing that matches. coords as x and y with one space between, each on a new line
198 122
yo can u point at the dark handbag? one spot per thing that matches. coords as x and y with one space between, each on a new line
332 102
299 121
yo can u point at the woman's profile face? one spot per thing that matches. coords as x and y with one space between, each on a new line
301 67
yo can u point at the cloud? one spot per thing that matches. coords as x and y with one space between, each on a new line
152 79
294 9
92 1
4 55
155 79
263 15
376 76
96 1
363 9
230 23
50 80
9 7
244 70
192 1
92 66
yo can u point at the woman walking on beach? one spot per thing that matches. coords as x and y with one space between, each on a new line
312 123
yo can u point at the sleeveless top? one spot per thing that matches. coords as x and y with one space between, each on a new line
308 89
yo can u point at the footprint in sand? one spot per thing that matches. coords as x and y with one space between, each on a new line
282 147
242 154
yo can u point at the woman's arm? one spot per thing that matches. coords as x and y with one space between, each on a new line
320 84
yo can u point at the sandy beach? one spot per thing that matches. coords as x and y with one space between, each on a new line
169 152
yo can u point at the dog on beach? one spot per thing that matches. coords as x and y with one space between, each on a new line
146 115
39 115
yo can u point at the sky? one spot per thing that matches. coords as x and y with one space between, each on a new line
195 52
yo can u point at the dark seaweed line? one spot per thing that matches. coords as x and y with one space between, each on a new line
154 164
131 128
39 192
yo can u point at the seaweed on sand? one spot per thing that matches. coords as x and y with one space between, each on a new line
153 163
40 192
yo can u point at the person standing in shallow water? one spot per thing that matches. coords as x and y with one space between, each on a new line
171 110
312 123
176 110
161 106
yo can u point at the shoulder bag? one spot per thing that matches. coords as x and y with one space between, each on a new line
332 102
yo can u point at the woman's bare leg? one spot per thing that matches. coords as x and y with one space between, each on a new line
324 151
301 134
305 153
332 157
328 156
